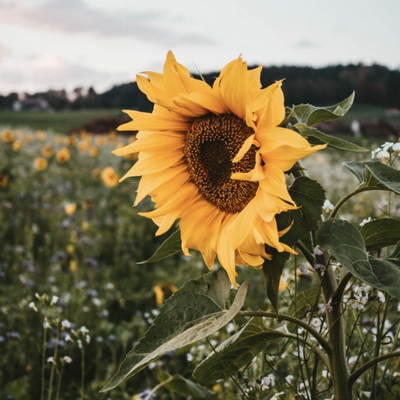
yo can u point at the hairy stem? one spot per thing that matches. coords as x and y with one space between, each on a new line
347 197
357 373
322 341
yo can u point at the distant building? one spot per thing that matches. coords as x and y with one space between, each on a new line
30 104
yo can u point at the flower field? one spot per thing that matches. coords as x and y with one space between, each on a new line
74 301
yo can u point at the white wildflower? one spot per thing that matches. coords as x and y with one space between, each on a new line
46 325
396 147
67 359
87 339
381 297
79 344
66 324
83 329
327 206
50 360
32 305
54 300
365 221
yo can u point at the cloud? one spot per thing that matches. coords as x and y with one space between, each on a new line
74 16
5 51
39 73
306 44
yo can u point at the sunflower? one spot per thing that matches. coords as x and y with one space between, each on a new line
63 155
215 158
109 177
40 164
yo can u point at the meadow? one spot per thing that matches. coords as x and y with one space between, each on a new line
73 300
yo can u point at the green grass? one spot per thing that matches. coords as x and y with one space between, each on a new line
60 122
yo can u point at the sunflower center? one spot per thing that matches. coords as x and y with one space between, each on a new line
211 144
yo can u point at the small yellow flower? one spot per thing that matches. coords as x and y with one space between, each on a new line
7 136
70 248
41 136
70 208
63 156
110 177
16 145
40 164
30 136
82 146
85 225
3 180
93 151
159 294
71 140
73 266
100 140
87 203
96 172
48 151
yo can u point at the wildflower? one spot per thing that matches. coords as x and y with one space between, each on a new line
69 208
327 206
67 359
51 360
32 305
396 147
96 172
71 140
276 395
83 329
215 159
93 151
68 338
16 145
41 136
3 180
110 177
157 289
267 381
318 251
48 151
365 221
87 339
381 296
304 268
40 164
54 300
63 156
46 325
79 343
7 136
83 145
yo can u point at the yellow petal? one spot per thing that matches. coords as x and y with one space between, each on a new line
244 149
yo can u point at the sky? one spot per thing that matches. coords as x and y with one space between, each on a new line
64 44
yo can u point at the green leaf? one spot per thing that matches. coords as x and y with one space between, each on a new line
346 244
192 313
178 384
381 233
308 298
309 195
311 115
171 246
373 175
272 270
314 136
236 352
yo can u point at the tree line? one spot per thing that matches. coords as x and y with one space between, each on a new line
374 84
